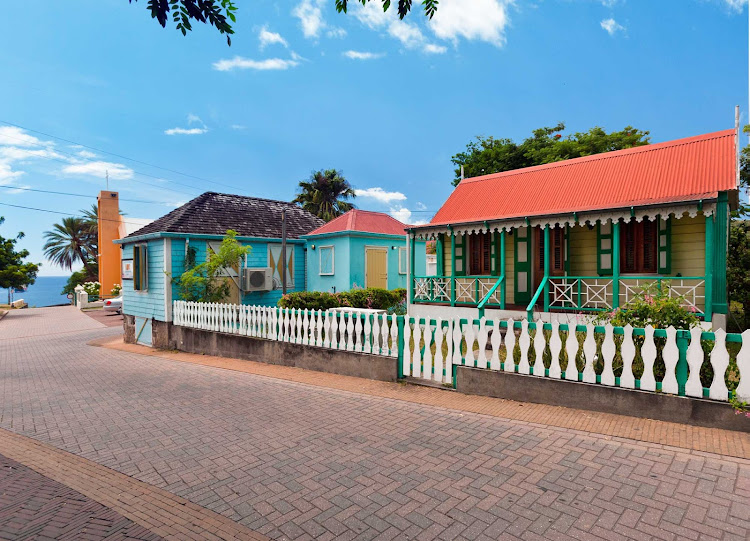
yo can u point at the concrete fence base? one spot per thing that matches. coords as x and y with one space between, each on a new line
346 363
595 397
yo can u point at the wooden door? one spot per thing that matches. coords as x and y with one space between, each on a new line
557 254
376 267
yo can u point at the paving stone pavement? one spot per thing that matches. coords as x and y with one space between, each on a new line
35 507
294 461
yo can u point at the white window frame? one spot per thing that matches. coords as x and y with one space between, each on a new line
333 260
402 260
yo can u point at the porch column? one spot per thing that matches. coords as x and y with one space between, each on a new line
453 269
615 263
709 268
502 268
411 240
546 268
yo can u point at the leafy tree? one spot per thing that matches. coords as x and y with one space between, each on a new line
216 12
325 193
488 155
738 263
14 272
203 282
70 242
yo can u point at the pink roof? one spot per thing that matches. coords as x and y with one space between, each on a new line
365 221
682 170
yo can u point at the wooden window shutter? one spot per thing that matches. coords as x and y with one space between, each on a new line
439 250
136 267
665 245
486 252
604 249
650 245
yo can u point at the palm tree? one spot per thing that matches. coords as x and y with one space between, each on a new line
324 194
70 242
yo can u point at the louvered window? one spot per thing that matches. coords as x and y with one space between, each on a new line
639 247
480 254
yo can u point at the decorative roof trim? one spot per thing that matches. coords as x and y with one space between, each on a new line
648 213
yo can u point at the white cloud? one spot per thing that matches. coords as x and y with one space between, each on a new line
611 26
16 154
7 175
336 32
192 120
310 16
481 20
408 34
403 214
10 135
99 169
735 5
238 127
185 131
86 154
379 194
362 55
266 37
239 62
420 206
19 189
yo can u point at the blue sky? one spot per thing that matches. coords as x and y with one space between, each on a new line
305 88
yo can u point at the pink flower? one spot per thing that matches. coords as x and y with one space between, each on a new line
693 309
737 412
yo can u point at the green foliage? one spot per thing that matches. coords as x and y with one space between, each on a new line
489 155
404 6
14 272
738 263
325 193
78 277
373 298
116 290
93 289
203 282
660 309
213 12
73 241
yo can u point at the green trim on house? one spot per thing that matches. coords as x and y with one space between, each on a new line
616 264
603 249
721 239
522 297
439 257
664 246
459 257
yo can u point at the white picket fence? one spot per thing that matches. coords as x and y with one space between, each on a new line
350 331
431 351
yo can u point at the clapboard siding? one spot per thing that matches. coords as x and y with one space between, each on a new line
150 303
582 251
689 246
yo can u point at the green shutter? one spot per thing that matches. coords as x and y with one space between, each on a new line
459 265
522 265
439 254
665 245
604 249
136 268
495 267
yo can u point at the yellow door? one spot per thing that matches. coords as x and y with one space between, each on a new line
376 271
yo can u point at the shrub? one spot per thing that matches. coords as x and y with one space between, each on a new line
116 290
373 298
660 309
92 289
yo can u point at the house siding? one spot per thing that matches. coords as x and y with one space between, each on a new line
582 251
149 303
340 280
688 246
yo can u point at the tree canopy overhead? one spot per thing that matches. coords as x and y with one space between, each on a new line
219 13
488 155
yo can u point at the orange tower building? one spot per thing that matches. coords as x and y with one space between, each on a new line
108 204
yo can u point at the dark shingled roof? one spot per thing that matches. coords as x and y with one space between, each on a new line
213 213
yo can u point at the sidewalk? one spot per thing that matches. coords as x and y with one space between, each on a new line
662 434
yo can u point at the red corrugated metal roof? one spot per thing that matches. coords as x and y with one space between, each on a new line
682 170
365 221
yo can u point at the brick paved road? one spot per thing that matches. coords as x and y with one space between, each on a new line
34 507
300 462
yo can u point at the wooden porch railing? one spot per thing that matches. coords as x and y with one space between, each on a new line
460 290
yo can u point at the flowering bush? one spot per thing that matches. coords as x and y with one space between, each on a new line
116 290
658 308
92 289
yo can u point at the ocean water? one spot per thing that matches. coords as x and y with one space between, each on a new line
45 292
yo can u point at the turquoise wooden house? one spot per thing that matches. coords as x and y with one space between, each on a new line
360 249
159 251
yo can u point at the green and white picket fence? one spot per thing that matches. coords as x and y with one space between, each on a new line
432 349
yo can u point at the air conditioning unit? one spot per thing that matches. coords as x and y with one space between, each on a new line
257 279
